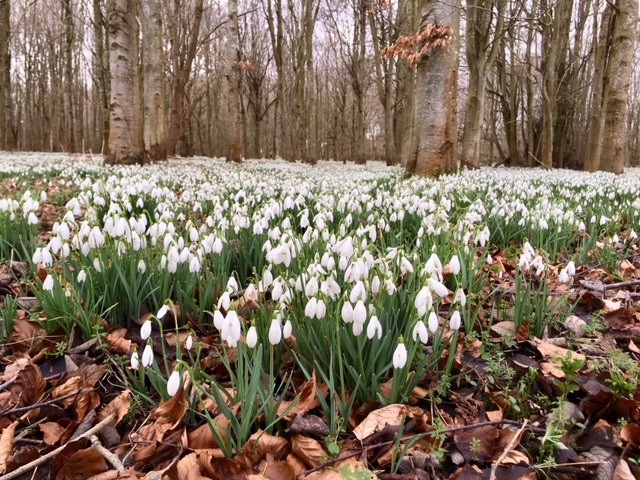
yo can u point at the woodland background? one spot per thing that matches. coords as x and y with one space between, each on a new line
535 80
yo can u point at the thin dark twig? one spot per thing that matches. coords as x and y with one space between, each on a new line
42 404
418 436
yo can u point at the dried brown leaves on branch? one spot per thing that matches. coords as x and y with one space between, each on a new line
414 48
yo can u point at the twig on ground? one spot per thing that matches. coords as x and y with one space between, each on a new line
418 436
47 457
111 457
41 404
8 383
619 285
510 446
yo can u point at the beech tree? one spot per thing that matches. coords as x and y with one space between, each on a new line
126 129
437 89
5 72
233 75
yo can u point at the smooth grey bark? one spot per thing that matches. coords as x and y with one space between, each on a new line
437 94
155 117
125 132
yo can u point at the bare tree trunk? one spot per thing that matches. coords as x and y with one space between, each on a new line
599 89
5 73
183 52
357 66
437 93
234 120
125 132
482 40
384 80
408 24
155 129
101 87
619 71
67 104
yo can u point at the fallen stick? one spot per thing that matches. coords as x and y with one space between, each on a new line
510 446
45 458
111 457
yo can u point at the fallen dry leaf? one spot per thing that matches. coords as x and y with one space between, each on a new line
29 385
631 433
477 445
52 431
376 420
6 445
118 407
188 468
623 472
305 401
552 352
260 445
82 464
116 342
308 450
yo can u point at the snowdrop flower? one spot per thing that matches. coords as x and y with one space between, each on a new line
400 355
218 319
82 276
275 332
455 321
145 329
162 312
438 287
135 360
231 330
142 267
420 331
454 264
287 329
374 329
423 301
32 219
37 256
358 292
232 284
173 384
147 356
563 277
433 322
360 313
97 265
224 302
571 268
375 285
347 312
194 265
311 287
460 297
189 343
489 260
47 285
321 309
311 307
252 337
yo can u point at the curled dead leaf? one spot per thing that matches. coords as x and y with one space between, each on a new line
29 385
308 450
118 407
6 445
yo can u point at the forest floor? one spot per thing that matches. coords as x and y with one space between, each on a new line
197 320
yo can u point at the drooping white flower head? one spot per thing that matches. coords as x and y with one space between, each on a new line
145 329
135 360
400 355
252 337
147 356
275 332
47 285
374 329
420 331
455 321
173 384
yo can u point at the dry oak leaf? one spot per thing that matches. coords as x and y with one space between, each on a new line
305 401
260 445
116 342
631 433
6 445
477 445
188 468
82 465
552 352
29 385
623 472
118 407
390 415
52 431
27 337
308 450
169 414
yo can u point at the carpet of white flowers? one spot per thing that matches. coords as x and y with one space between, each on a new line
357 278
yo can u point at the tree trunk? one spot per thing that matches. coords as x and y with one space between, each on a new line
437 94
155 129
234 120
619 71
68 114
183 52
482 40
5 73
125 132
